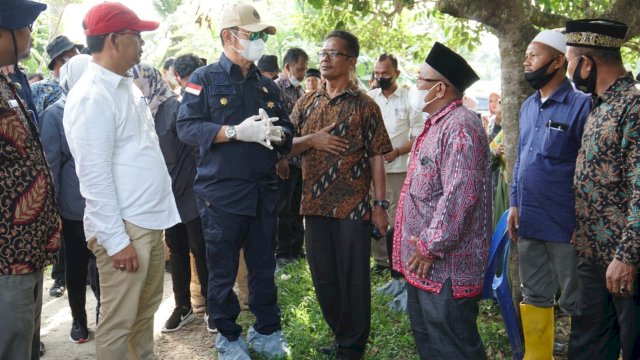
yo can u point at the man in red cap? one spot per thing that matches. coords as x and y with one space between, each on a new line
29 220
124 180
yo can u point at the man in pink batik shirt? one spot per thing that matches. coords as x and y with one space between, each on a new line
443 221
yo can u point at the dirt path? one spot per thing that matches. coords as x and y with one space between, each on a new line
192 342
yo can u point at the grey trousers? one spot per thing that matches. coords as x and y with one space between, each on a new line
444 327
544 267
20 308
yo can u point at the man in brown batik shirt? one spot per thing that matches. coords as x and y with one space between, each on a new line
29 220
343 144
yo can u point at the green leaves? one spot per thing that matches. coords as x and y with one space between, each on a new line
166 7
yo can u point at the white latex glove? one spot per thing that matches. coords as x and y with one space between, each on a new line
254 129
275 134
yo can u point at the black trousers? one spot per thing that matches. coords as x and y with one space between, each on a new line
182 238
58 269
605 324
444 327
389 239
225 234
338 254
290 237
80 269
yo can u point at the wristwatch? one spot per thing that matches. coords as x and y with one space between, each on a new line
382 203
231 133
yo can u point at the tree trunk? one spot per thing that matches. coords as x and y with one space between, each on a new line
515 90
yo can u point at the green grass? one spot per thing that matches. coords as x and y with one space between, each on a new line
390 337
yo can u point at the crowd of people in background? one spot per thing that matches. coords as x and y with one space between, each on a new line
243 166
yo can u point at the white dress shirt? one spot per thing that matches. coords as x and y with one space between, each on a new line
401 121
121 170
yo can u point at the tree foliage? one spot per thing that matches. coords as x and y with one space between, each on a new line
166 7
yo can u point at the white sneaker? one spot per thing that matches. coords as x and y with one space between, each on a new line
211 329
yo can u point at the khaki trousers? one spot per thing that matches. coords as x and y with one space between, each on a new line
394 186
197 301
129 299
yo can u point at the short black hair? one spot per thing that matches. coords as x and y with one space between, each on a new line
95 43
294 55
389 57
168 63
353 45
609 57
184 65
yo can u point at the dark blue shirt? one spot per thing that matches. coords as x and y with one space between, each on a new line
24 91
232 176
61 163
179 157
542 186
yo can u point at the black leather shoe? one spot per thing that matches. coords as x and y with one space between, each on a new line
328 349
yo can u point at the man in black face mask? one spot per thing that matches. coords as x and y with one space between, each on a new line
607 193
542 217
403 126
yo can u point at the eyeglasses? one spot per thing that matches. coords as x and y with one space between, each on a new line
129 32
256 35
332 54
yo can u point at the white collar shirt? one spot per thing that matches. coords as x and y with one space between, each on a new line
401 121
121 169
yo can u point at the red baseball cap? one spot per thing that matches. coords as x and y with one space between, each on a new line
110 17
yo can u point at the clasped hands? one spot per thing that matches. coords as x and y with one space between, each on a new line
260 129
419 264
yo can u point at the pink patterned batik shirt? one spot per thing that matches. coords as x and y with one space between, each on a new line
446 203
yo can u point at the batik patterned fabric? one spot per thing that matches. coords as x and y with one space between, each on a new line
290 95
607 178
29 220
445 203
338 185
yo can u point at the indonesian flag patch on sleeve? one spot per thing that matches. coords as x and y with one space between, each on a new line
193 89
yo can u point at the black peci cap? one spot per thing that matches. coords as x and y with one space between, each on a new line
596 33
452 66
312 72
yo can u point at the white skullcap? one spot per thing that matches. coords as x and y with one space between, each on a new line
552 38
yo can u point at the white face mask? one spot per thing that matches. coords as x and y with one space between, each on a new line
293 80
417 96
251 50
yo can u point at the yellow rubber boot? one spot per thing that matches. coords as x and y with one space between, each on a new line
537 326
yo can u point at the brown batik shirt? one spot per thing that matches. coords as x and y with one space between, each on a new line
338 185
29 220
607 177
